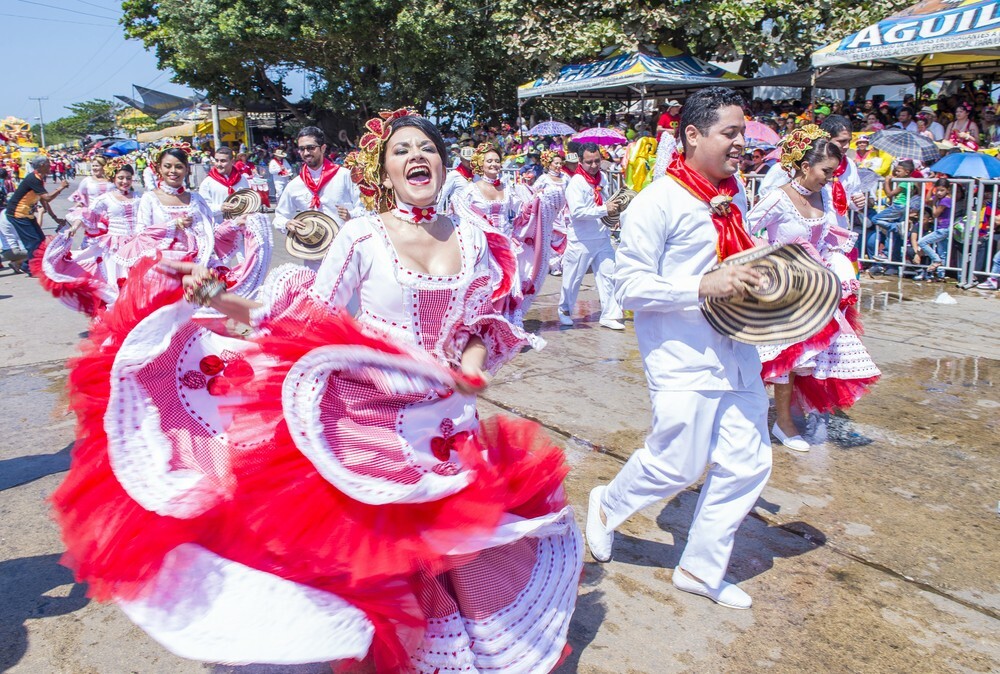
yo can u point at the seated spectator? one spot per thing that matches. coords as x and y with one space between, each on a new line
934 244
904 119
889 219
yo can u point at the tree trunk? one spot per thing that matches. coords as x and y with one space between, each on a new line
278 97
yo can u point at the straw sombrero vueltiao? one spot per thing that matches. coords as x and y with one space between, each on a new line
243 201
795 300
313 243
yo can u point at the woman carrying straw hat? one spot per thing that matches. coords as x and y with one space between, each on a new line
324 490
832 369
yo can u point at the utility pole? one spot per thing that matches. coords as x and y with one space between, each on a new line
41 120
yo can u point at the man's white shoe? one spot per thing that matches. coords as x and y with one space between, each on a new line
794 442
599 537
727 594
612 324
564 318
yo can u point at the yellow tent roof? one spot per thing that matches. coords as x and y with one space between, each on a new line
231 124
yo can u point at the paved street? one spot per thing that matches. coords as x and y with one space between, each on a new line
875 552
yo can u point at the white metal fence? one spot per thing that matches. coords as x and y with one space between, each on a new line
889 238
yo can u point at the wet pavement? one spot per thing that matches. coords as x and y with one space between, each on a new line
874 552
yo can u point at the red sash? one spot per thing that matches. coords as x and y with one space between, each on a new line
839 193
728 220
228 181
329 170
464 171
594 182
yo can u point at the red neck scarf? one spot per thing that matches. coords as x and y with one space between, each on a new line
568 171
464 171
728 219
594 182
839 193
228 181
329 170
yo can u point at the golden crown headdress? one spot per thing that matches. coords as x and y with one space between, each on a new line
795 145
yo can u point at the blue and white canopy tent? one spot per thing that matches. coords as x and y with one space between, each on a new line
652 71
933 39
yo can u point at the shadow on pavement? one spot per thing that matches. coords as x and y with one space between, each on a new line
587 617
24 469
757 543
24 584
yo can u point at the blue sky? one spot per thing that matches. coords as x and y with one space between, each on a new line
72 51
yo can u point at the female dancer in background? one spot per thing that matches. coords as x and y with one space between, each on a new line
90 189
832 369
554 176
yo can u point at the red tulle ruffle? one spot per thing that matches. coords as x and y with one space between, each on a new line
112 543
828 395
83 292
785 361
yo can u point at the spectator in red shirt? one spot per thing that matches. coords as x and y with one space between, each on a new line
669 120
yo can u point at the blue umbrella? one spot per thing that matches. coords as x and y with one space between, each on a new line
551 128
121 148
968 165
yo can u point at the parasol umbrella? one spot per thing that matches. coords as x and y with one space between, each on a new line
551 128
905 145
968 165
121 148
601 136
760 135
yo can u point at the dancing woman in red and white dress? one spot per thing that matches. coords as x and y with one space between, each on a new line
832 369
554 176
90 189
325 490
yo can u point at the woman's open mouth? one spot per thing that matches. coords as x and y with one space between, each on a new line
418 175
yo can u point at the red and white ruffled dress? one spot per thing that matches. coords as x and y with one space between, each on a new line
90 279
85 197
533 233
320 491
561 225
833 369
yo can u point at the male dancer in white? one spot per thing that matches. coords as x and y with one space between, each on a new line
280 170
709 404
457 179
588 242
320 186
222 180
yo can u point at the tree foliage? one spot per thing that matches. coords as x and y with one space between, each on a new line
93 117
454 56
756 32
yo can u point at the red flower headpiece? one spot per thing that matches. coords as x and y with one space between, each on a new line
365 163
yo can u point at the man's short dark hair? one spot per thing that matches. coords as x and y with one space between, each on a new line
314 132
225 151
589 147
701 109
834 124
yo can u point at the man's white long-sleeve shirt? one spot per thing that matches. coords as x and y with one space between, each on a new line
214 193
668 242
585 215
341 190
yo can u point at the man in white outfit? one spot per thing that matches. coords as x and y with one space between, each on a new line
457 180
281 172
320 186
709 404
222 180
588 242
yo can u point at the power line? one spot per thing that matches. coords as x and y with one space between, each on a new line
99 49
63 9
42 18
92 4
94 88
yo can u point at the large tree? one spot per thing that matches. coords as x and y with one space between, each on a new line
550 33
93 117
364 55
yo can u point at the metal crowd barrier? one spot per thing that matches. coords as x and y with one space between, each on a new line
971 246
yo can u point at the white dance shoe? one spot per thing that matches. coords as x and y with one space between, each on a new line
793 442
727 594
612 324
564 318
599 537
